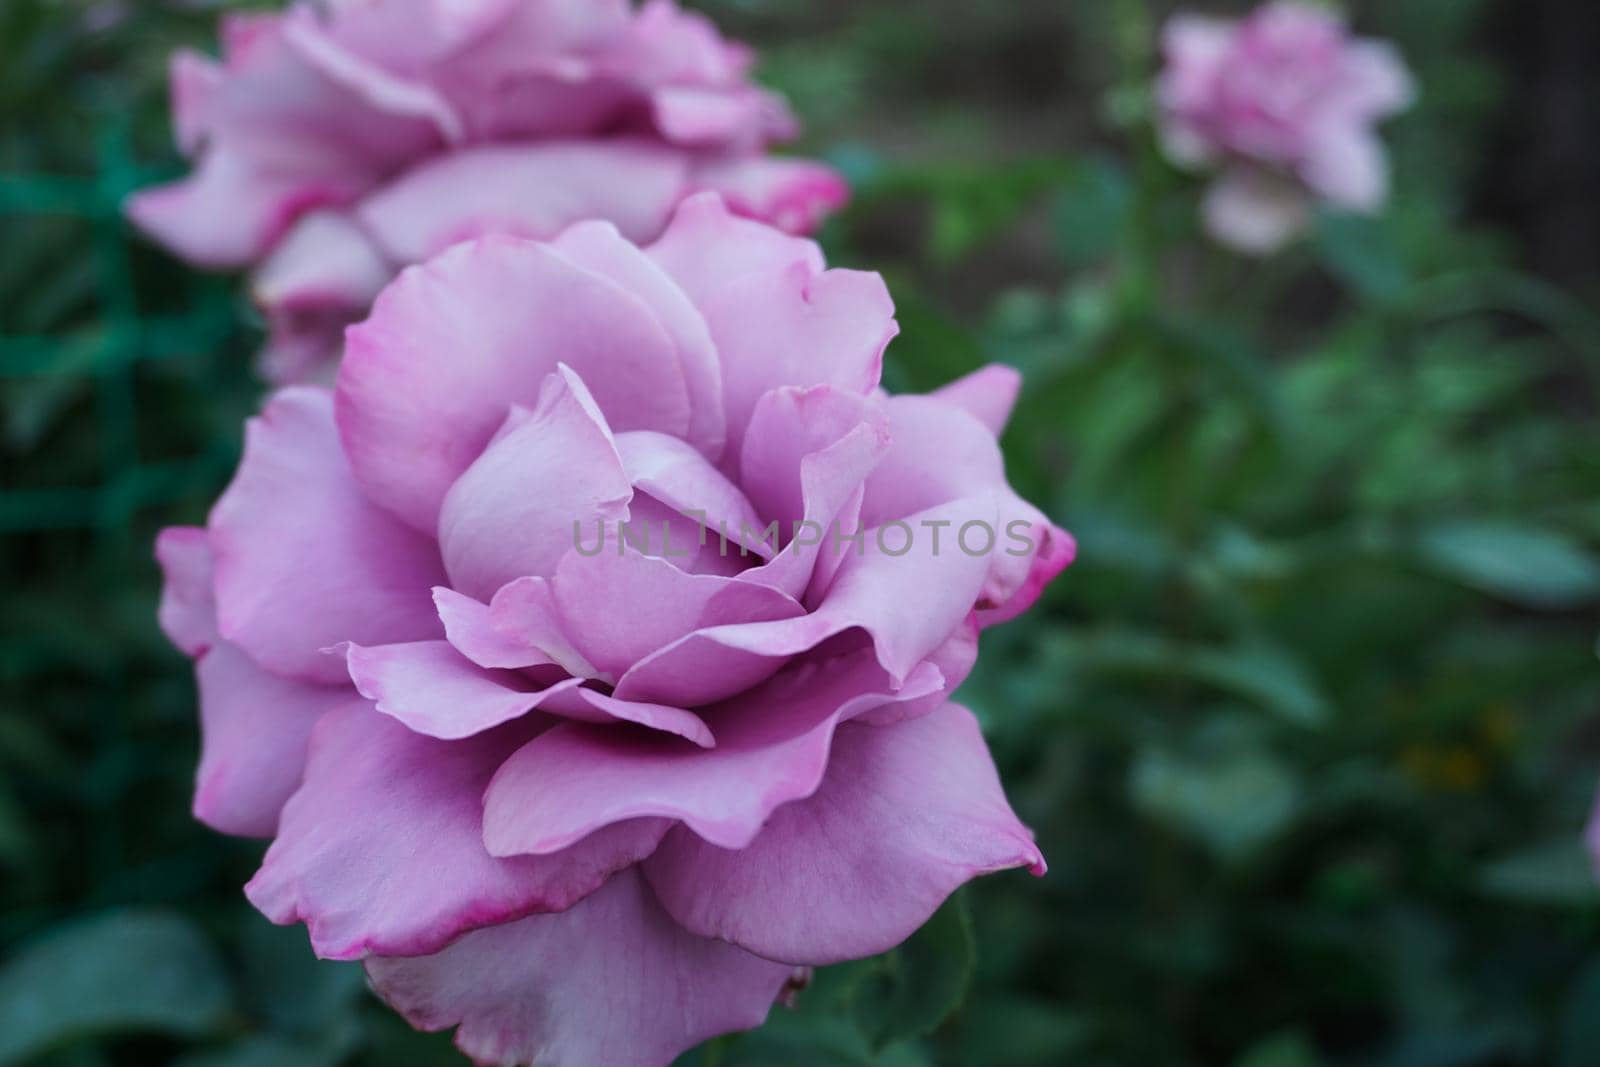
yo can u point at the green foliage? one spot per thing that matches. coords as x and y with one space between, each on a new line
120 972
1307 732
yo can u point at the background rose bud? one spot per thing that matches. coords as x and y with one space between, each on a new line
1283 104
335 143
596 807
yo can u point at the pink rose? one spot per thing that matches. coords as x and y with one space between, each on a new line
594 796
339 141
1284 104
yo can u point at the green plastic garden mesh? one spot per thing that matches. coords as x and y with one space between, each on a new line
80 379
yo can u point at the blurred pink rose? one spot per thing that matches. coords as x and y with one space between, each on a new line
1283 104
339 141
594 800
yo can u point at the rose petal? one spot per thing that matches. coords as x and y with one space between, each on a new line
254 727
676 475
707 248
532 191
303 560
794 195
1025 550
988 394
613 981
618 607
906 815
402 870
194 79
188 611
597 246
516 510
453 344
469 626
434 690
1253 212
227 212
772 747
325 262
777 319
384 91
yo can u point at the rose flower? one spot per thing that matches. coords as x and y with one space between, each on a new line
337 142
587 651
1284 104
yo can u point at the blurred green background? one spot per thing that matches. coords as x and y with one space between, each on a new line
1308 734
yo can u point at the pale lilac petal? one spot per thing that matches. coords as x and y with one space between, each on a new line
1377 82
618 607
452 345
772 747
532 191
593 706
295 104
469 626
1024 549
789 424
954 660
227 213
384 91
657 530
1255 213
909 479
677 475
303 344
325 261
779 321
194 79
1195 48
988 394
1348 168
794 195
907 588
188 611
706 248
434 690
832 480
516 510
665 44
709 117
905 816
525 612
613 981
721 661
597 246
254 727
413 34
402 871
1028 558
303 560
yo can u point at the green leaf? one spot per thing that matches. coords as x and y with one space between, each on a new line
1522 563
1556 872
921 983
1362 254
1266 674
1280 1050
1092 211
265 1051
1580 1021
1019 1032
1232 802
123 971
